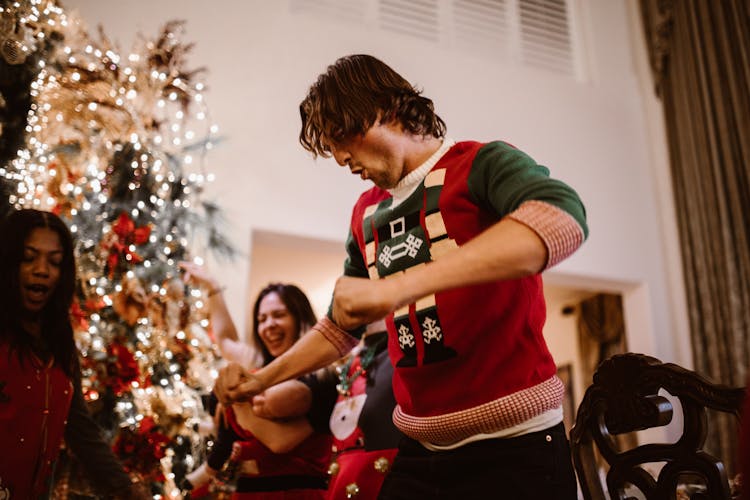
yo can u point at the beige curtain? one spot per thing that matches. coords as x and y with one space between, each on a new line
601 335
601 331
700 55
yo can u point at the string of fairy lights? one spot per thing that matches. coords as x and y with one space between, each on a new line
117 146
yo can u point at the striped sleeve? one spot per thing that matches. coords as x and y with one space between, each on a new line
354 266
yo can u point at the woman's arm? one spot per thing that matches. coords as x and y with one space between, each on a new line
83 437
279 436
221 321
227 339
289 399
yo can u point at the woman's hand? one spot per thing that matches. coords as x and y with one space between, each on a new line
236 385
198 275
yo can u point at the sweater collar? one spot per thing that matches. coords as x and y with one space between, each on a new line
409 183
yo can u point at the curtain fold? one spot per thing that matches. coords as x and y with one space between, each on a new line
601 331
700 57
601 335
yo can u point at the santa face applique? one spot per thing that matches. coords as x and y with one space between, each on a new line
345 416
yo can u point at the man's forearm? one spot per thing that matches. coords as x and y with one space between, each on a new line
507 250
311 352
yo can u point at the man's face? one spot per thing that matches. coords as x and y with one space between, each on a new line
378 155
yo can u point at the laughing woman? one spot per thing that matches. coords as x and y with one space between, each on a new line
40 386
278 459
282 459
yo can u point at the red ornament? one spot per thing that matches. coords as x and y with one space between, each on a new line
124 234
122 368
78 317
140 450
79 314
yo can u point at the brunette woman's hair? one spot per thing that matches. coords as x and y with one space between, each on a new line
57 333
296 303
352 95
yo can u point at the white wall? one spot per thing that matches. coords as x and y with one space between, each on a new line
594 135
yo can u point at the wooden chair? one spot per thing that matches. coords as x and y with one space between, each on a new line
624 398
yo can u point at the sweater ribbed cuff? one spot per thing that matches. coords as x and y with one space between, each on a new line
341 340
560 232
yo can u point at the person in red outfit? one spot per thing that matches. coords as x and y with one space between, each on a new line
449 244
354 402
276 459
40 386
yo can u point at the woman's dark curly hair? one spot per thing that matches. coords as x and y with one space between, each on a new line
56 333
354 93
296 303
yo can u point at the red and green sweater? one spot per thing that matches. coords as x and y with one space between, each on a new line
470 360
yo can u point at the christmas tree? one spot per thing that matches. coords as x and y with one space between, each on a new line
116 146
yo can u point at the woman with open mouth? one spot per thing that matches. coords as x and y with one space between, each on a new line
40 382
274 459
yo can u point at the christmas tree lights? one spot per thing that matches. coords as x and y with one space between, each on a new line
116 145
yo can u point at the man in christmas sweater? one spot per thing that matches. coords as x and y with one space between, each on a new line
449 245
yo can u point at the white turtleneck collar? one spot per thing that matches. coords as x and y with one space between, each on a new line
408 184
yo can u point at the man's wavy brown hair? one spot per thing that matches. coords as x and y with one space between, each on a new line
354 93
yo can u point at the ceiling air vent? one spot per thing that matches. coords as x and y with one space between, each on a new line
417 18
352 11
545 35
535 33
481 26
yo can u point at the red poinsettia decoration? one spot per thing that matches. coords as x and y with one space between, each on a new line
119 242
78 317
80 314
122 368
141 449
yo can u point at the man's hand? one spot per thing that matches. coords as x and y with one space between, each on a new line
236 385
357 301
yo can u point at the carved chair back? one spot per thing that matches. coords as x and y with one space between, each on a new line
624 398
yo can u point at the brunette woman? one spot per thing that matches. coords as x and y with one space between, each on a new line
277 459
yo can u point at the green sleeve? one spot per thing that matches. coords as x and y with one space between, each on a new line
354 266
503 177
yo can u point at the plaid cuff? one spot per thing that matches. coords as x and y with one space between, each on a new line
561 233
488 418
340 339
